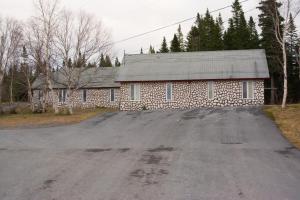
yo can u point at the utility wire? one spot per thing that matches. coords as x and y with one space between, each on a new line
167 26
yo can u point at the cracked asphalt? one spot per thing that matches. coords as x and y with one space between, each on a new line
224 153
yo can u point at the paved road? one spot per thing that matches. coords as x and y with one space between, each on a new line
197 154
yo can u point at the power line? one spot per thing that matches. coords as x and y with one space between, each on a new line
167 26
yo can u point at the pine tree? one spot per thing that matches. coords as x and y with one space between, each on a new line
229 36
151 50
117 63
238 29
102 61
253 40
164 46
180 38
108 61
175 46
141 52
292 47
272 47
193 40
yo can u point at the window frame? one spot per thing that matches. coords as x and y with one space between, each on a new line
112 93
248 92
136 92
171 91
84 95
212 90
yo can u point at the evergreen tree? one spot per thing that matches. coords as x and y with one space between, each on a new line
141 51
180 38
108 61
175 46
229 36
117 63
151 50
292 69
102 61
272 47
164 46
253 40
238 31
193 40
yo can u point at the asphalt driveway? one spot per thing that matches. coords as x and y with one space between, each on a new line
224 154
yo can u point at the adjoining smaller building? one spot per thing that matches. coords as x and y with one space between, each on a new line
175 81
98 89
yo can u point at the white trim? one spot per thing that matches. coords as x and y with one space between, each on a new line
166 92
212 88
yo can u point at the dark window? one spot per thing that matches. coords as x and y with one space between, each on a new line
40 94
169 91
112 94
84 95
245 90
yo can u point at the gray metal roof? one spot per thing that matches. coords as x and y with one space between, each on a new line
90 78
236 64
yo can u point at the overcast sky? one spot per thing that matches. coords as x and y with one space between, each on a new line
125 18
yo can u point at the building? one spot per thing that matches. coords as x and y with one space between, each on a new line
97 89
180 81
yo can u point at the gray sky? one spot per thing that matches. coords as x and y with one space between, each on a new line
125 18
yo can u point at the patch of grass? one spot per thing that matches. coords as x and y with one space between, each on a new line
45 119
288 120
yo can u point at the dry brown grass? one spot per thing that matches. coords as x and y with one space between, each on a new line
47 119
288 120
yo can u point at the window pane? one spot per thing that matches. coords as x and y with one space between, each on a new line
169 91
84 95
137 92
112 95
210 90
64 95
60 96
250 89
132 92
245 90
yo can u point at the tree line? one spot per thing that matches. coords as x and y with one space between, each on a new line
278 32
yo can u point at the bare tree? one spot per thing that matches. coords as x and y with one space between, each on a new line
46 24
10 40
80 39
289 8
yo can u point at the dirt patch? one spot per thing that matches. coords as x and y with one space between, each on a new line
97 150
287 151
151 159
47 184
149 176
123 150
161 149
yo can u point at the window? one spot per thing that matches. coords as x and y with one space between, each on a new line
40 94
112 95
169 91
210 90
134 92
62 95
248 89
84 94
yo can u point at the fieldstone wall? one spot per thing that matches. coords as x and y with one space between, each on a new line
94 98
190 94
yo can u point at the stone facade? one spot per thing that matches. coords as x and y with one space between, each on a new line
100 97
190 94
